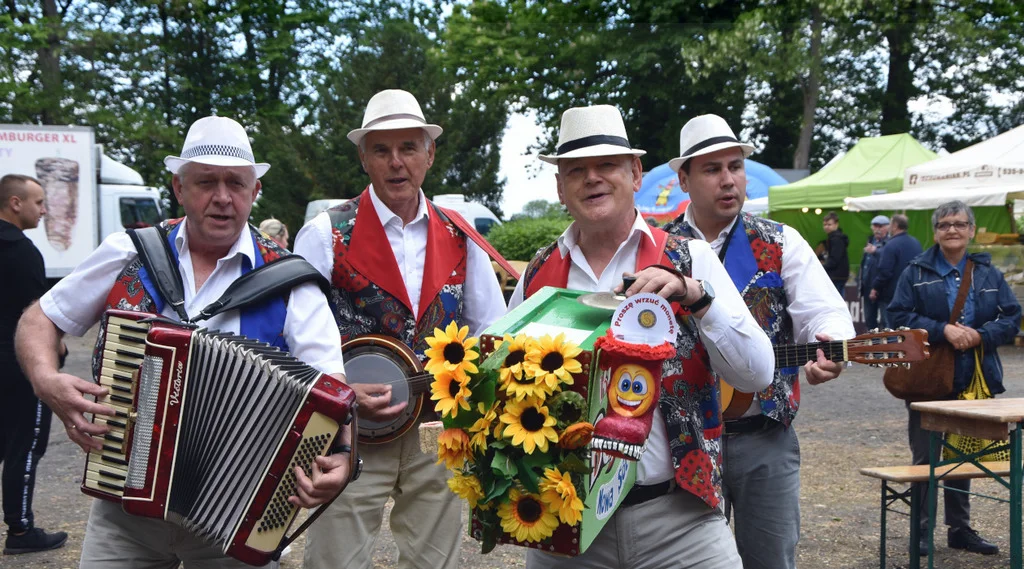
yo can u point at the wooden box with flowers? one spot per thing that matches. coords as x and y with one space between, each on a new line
518 408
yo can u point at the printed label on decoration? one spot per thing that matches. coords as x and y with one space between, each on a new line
609 493
644 318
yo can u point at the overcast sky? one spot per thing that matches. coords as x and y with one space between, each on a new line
527 177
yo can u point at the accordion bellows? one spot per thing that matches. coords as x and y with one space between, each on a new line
209 429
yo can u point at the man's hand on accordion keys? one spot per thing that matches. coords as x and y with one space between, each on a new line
330 475
65 394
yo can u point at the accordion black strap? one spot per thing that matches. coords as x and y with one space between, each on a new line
155 254
267 281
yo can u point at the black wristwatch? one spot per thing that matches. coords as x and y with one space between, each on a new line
707 295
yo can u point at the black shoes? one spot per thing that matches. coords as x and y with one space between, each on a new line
966 538
33 540
923 545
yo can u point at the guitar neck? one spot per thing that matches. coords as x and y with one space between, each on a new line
799 354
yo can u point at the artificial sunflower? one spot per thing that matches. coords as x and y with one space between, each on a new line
467 487
450 394
512 367
529 424
559 493
553 360
451 351
482 427
453 448
525 517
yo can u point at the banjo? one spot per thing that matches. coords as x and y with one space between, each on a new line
880 348
377 358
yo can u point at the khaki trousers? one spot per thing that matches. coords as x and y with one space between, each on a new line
676 531
425 520
116 540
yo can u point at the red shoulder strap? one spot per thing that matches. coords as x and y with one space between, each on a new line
473 234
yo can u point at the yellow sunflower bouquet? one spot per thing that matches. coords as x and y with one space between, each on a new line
515 432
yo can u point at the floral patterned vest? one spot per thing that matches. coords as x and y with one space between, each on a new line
765 294
133 290
689 400
367 288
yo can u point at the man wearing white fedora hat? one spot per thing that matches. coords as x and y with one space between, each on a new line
399 266
216 180
792 298
671 517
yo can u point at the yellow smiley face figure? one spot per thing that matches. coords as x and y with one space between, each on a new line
631 391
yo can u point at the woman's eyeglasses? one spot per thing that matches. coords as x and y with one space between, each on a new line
958 225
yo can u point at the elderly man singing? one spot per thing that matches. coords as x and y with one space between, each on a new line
216 180
399 266
671 518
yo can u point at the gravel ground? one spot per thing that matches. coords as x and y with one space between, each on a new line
843 425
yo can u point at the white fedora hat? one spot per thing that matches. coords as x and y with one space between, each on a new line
591 131
217 141
393 109
703 135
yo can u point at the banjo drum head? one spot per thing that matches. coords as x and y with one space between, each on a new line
377 364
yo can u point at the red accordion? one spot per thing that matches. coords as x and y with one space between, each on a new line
209 429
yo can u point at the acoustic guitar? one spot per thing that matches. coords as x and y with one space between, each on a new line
880 348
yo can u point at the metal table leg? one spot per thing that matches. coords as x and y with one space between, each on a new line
1015 497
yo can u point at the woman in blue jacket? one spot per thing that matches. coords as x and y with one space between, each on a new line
991 317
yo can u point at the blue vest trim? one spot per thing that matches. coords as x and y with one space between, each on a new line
264 322
739 257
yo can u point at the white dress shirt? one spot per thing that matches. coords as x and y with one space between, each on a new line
77 302
739 350
814 303
483 302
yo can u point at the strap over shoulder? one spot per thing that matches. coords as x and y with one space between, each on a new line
155 254
265 282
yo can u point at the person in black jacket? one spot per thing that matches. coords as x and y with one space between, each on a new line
899 250
835 259
25 419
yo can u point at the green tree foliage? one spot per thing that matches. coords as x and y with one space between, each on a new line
543 208
297 74
521 238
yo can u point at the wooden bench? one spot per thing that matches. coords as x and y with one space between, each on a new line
909 475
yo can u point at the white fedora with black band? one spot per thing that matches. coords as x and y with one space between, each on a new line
703 135
216 141
393 109
591 131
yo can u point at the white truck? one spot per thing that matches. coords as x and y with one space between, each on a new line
88 194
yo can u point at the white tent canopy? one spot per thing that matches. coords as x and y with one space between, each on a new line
988 173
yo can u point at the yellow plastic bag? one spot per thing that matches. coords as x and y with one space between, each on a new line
978 389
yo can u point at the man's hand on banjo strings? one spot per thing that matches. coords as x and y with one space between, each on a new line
374 401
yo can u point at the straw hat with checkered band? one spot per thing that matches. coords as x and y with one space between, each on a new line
217 141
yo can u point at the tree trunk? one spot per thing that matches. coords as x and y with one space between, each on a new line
811 87
49 66
900 85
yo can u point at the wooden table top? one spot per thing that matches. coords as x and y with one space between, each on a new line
1000 410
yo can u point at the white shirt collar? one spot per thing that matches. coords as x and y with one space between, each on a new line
569 238
242 245
688 218
385 214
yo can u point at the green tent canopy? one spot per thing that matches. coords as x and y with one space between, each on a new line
873 165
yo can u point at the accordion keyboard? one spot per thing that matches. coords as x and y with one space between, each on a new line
123 354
